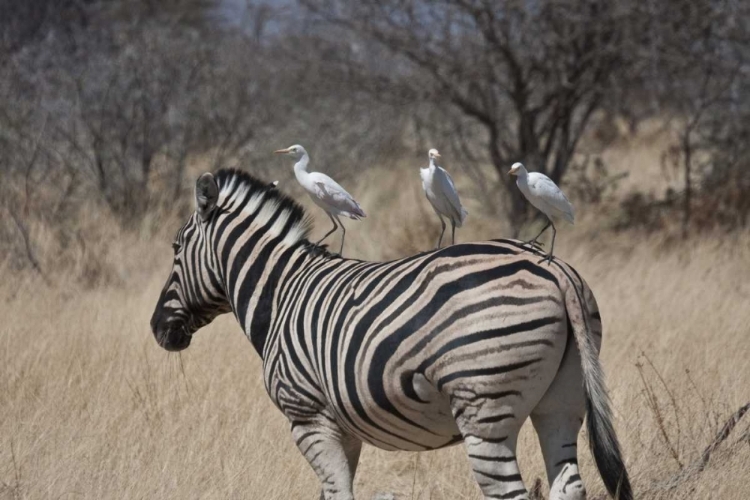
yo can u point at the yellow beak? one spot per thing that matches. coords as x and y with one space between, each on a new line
437 155
281 151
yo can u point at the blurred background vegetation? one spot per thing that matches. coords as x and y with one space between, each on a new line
108 107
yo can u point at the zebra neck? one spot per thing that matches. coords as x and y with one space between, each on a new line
255 290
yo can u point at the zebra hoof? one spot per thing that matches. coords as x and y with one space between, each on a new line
568 485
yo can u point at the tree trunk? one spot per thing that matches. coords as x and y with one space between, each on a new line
516 205
688 151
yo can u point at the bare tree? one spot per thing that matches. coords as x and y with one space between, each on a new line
708 58
532 74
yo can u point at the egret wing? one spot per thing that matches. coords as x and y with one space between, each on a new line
328 189
444 183
543 187
331 193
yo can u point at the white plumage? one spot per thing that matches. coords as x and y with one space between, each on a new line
543 194
442 195
324 192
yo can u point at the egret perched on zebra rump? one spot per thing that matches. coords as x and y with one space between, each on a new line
442 194
324 192
456 345
544 194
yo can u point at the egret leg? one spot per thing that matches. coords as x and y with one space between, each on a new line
329 232
549 256
440 240
453 233
343 235
534 240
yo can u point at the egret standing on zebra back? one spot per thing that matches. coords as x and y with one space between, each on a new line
544 194
324 192
442 195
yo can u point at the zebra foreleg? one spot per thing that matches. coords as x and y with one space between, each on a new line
332 455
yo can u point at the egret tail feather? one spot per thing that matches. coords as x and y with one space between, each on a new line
358 211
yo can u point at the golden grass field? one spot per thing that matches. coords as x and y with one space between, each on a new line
92 408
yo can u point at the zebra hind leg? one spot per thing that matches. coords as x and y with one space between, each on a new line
493 460
490 431
332 455
558 434
557 419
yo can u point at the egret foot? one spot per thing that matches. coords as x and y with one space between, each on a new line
548 258
534 243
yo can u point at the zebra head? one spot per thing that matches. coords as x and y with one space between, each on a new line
196 291
193 295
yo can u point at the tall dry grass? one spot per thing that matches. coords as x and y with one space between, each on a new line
90 407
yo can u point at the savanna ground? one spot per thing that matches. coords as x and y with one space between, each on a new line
91 407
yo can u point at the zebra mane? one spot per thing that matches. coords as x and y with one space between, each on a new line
263 199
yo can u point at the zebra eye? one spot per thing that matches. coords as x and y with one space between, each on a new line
176 247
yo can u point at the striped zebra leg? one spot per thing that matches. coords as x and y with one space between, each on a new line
495 468
490 431
557 436
332 455
557 419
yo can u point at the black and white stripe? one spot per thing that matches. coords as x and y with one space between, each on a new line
459 344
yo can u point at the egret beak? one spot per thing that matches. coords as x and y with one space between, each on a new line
281 151
437 155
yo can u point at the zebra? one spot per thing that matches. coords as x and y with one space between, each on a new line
457 345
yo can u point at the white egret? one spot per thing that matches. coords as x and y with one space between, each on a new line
544 194
442 195
324 192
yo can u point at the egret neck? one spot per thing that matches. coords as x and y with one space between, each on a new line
432 164
300 169
522 181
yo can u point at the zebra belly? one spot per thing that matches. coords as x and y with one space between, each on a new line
426 423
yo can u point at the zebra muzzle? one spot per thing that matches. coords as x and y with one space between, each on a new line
175 337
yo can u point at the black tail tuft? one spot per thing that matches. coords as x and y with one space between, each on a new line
606 451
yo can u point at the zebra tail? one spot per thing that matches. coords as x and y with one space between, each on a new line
602 438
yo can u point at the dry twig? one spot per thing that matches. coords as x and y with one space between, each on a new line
699 464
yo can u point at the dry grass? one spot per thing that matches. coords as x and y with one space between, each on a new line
90 407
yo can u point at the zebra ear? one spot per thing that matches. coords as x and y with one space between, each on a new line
273 185
206 195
